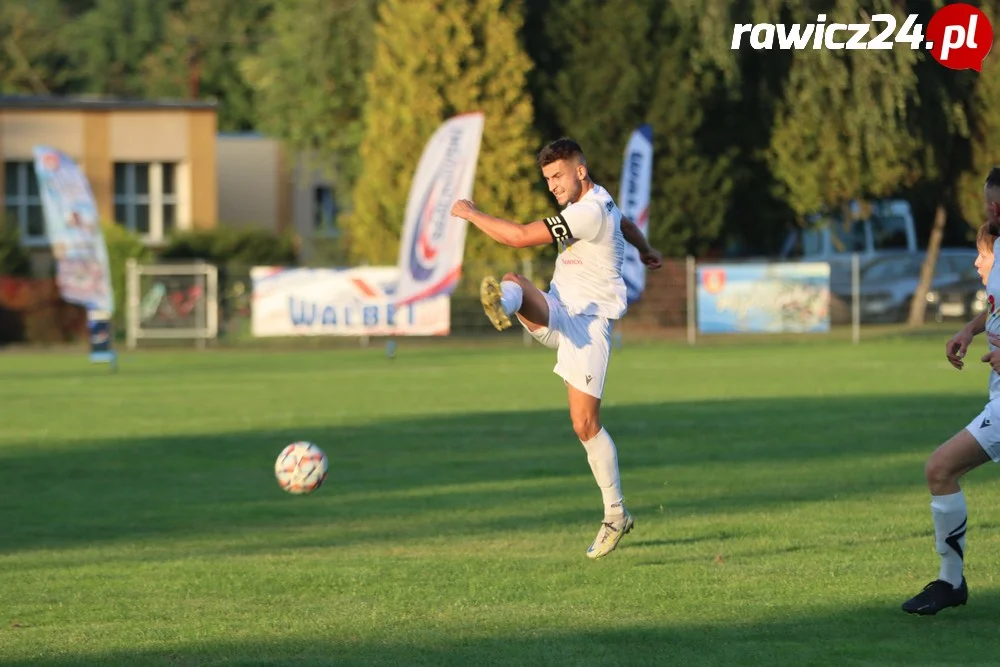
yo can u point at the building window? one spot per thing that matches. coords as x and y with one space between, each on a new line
324 211
146 198
22 201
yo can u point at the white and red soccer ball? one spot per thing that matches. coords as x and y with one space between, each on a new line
301 468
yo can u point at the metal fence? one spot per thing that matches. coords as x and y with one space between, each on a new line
667 310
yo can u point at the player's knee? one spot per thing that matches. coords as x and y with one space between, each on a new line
940 472
586 426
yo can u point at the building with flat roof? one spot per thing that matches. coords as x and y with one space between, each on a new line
151 164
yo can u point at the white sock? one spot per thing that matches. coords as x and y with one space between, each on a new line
950 517
603 459
511 299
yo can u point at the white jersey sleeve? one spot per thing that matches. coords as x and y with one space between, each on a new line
583 220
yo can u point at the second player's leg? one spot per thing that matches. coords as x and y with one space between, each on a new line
945 467
949 462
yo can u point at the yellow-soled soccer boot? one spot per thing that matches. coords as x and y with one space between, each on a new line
490 295
609 536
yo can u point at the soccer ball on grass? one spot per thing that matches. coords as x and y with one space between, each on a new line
301 468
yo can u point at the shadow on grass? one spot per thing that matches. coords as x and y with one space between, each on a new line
486 472
874 634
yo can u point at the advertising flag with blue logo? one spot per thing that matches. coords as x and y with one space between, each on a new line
633 200
433 241
73 229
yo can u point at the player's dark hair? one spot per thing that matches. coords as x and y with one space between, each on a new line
993 178
561 149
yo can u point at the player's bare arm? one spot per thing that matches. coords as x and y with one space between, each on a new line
649 255
503 231
957 346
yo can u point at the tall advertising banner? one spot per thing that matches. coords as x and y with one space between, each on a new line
72 226
633 200
433 242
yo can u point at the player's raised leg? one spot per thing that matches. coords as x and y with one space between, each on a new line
584 411
514 294
960 454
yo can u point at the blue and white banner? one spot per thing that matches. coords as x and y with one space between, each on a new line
763 298
433 242
340 302
633 200
72 226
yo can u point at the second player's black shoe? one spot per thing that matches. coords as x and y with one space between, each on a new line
936 596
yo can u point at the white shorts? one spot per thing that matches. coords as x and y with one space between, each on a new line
986 429
583 344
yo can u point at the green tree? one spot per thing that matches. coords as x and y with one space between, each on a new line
692 175
842 131
201 55
110 40
984 130
433 60
960 133
34 57
308 78
599 89
609 66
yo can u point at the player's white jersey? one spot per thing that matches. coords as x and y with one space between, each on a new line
993 315
588 276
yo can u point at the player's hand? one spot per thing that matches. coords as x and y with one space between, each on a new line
463 208
993 359
955 348
652 259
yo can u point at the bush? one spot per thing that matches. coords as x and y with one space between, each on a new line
14 259
236 247
122 246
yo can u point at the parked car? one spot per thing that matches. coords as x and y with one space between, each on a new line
963 300
888 283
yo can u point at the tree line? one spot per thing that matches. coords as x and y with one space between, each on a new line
748 142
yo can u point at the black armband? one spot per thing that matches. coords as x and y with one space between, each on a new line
558 228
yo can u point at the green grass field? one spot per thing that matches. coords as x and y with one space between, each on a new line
781 513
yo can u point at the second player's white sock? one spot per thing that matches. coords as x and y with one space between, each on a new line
950 516
603 459
511 299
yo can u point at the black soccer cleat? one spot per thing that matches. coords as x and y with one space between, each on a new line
936 596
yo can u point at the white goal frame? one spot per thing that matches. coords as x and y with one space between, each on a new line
206 320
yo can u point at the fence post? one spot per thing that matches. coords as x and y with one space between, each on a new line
131 302
855 298
200 323
691 280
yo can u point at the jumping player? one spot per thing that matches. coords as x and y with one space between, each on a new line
576 316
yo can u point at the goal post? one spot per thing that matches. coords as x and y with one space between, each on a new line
171 302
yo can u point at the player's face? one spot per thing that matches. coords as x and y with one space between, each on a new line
563 180
984 264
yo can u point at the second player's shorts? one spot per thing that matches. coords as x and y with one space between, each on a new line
583 344
986 429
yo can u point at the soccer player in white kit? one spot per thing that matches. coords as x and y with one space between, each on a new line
974 445
576 316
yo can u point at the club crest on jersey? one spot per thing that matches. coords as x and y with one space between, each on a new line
991 306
